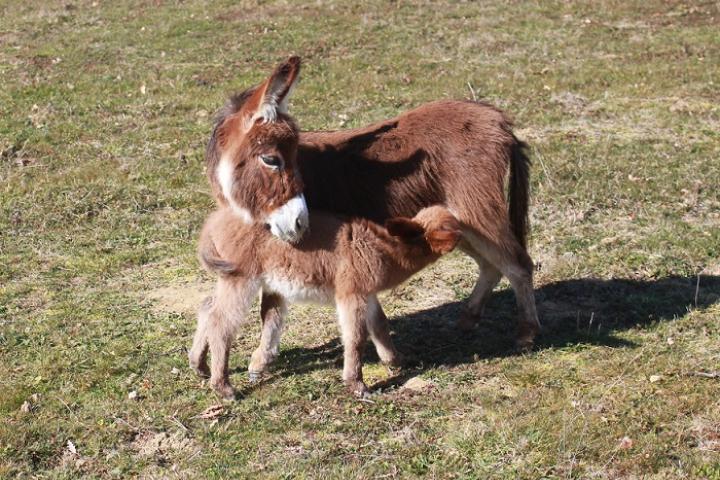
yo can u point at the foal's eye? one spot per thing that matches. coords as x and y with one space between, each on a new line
272 161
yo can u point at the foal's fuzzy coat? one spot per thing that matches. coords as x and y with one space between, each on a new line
347 262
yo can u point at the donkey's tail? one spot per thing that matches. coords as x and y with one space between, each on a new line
519 190
211 261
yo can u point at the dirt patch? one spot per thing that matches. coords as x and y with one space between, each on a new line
154 444
263 13
706 434
183 298
571 102
686 14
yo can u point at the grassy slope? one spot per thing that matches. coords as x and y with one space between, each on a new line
104 111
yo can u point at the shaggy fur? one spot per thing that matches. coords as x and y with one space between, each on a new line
345 262
253 124
458 154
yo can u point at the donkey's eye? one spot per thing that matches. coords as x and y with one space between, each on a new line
272 161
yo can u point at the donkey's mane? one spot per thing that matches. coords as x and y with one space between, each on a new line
231 107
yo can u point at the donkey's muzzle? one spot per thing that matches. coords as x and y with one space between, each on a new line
290 222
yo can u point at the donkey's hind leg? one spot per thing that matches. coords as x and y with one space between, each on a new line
233 298
273 308
488 278
517 266
377 324
199 350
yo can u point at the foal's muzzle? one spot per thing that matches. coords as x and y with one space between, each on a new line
290 222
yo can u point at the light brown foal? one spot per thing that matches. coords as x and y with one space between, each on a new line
347 262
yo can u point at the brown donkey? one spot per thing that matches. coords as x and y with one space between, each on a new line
453 153
347 262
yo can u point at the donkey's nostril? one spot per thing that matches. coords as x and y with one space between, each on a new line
267 226
298 223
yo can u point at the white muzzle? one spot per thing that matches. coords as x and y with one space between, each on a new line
290 222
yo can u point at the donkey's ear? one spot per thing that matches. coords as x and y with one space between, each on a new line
444 239
404 228
275 91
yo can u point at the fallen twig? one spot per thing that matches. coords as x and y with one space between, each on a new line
178 422
705 374
472 92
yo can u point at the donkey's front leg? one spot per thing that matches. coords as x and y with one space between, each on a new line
233 298
272 312
352 313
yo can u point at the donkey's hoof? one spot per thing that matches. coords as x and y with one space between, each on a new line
525 344
254 377
224 390
525 339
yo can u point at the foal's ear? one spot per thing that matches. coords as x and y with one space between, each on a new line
404 228
444 239
274 93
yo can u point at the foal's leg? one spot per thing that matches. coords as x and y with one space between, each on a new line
198 352
233 298
517 267
272 311
377 324
352 314
488 278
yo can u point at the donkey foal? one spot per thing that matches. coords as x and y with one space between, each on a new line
345 261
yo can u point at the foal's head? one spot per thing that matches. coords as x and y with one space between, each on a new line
433 232
251 156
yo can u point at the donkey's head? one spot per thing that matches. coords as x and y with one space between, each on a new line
433 232
251 157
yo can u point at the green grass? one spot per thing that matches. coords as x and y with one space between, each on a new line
102 193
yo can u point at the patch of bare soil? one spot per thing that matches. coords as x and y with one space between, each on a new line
686 14
182 298
706 433
161 444
571 102
264 12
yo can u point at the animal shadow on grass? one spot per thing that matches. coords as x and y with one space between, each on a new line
572 312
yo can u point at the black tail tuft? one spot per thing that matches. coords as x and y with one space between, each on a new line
519 191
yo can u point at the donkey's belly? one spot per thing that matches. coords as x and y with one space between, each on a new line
295 291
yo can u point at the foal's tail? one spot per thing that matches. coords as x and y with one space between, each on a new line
211 261
519 190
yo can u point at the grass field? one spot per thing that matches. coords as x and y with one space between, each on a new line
104 111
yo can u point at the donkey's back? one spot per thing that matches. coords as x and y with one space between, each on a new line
456 153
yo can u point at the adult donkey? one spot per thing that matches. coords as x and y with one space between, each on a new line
454 153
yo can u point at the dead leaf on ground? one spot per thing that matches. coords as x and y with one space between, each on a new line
211 412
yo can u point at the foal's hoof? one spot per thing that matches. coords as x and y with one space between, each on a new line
224 390
200 368
255 377
358 389
397 361
401 362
